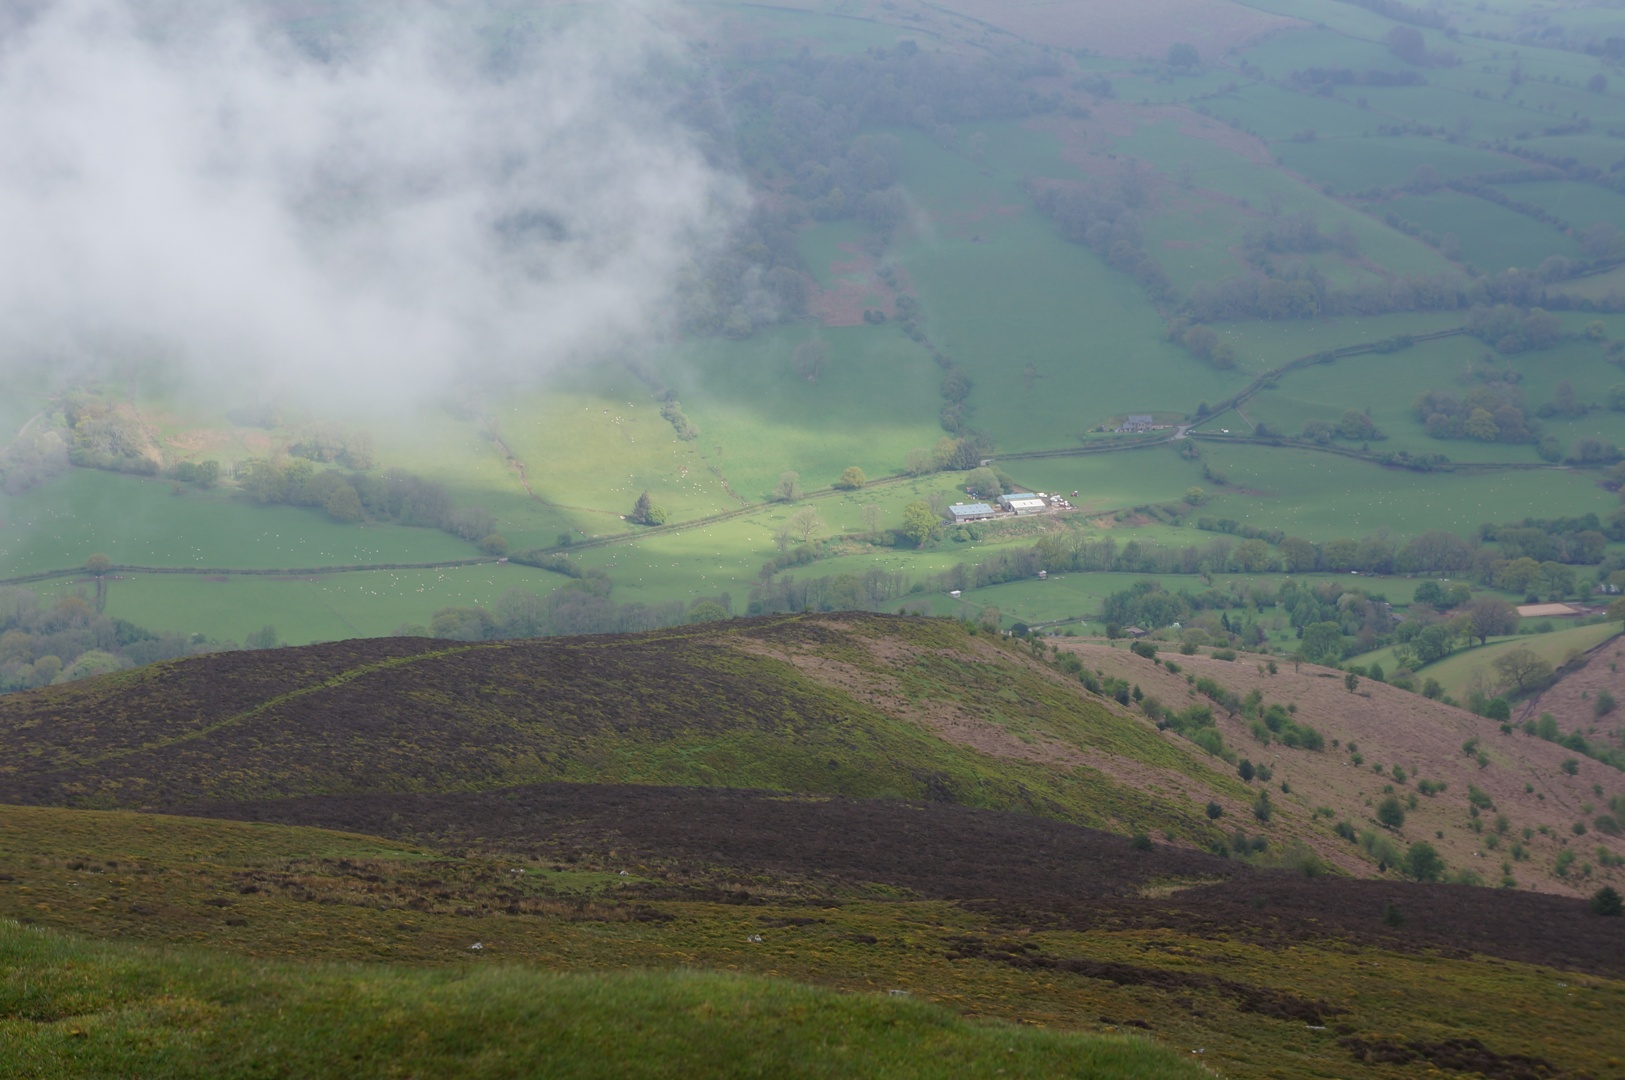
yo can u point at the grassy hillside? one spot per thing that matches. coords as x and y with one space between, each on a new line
1576 699
707 896
852 704
1461 672
197 1014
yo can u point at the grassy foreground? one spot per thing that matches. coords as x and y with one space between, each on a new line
72 1008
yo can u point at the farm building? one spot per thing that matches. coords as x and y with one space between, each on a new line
1135 424
1546 611
1023 502
963 512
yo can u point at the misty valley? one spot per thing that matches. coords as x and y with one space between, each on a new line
812 538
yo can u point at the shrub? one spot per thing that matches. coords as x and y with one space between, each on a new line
1422 862
1141 842
1261 806
1606 824
1143 648
1565 859
1214 811
1210 740
1381 848
1245 770
1345 830
1431 787
1606 901
1570 766
1604 703
1391 812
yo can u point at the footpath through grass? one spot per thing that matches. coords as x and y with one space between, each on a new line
69 1008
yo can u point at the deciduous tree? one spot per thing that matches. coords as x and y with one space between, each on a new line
805 523
1487 615
789 487
1522 668
919 522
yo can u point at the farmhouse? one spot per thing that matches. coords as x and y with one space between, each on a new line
1023 502
1135 423
963 512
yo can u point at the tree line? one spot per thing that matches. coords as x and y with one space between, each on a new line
43 643
394 495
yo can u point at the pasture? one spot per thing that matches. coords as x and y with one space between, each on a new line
758 418
1115 481
1069 343
1260 188
146 523
1274 113
1581 205
1350 165
1262 345
1473 668
304 608
1491 237
1322 497
1054 340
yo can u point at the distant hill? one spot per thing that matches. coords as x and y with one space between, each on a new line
853 704
858 705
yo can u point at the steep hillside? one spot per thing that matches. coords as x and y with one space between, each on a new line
1380 741
1576 700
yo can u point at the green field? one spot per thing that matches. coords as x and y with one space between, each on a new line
1461 672
1054 339
1350 165
1388 384
311 608
1274 113
1322 497
1581 205
147 523
1051 359
1492 237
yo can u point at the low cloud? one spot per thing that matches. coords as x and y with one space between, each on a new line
370 214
